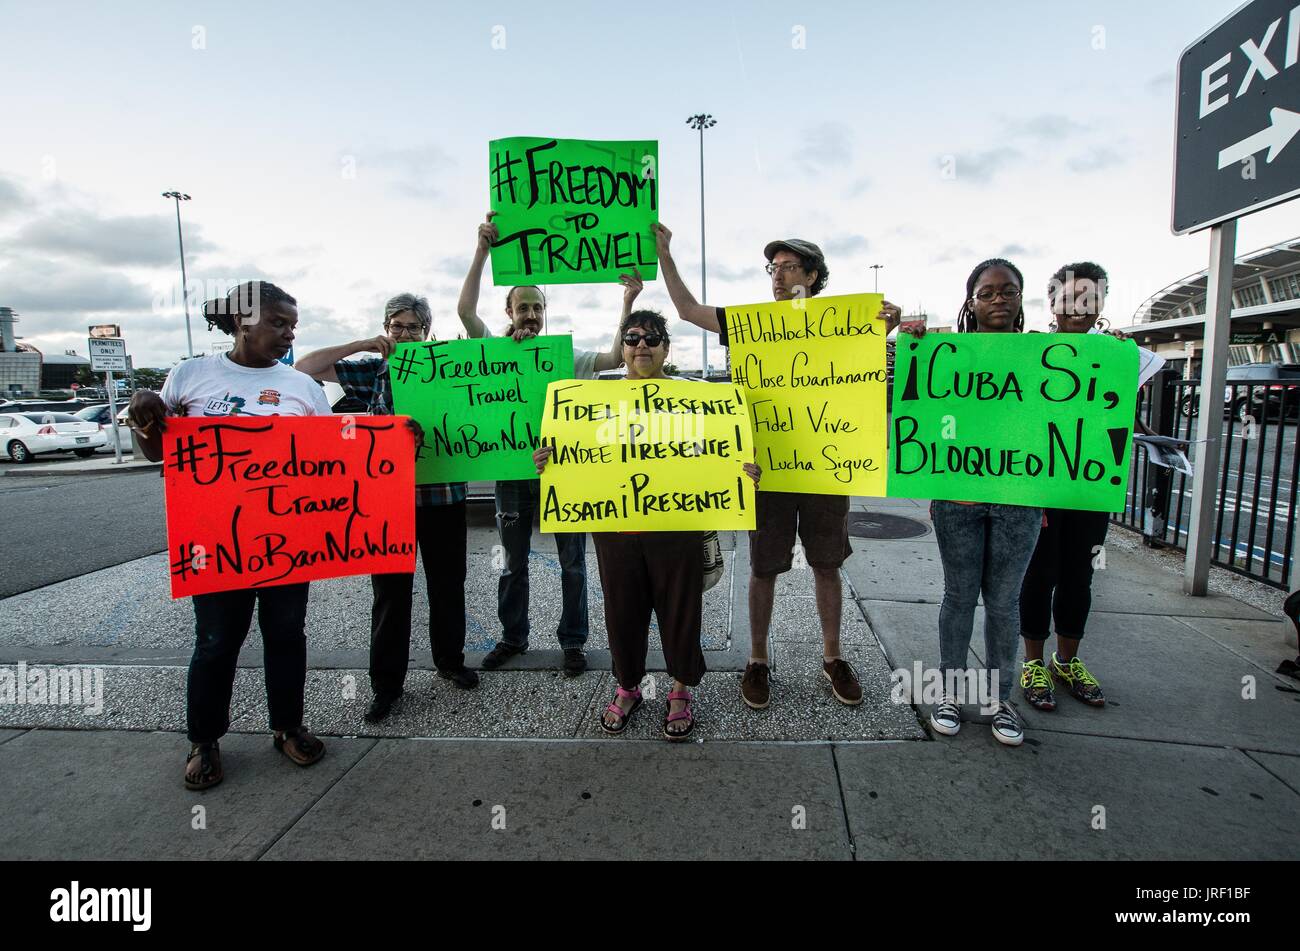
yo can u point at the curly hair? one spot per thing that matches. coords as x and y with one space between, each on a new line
651 321
242 305
811 263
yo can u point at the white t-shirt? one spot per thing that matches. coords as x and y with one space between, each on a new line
584 361
217 386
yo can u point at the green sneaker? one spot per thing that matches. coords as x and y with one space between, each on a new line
1036 682
1082 684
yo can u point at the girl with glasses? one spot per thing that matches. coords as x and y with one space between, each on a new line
985 547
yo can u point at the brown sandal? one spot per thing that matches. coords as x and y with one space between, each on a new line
210 772
300 746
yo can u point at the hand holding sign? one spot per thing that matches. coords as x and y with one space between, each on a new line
645 455
258 501
571 211
1020 419
479 402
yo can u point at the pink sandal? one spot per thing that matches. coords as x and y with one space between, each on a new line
683 714
623 715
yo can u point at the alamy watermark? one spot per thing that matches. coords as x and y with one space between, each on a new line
53 686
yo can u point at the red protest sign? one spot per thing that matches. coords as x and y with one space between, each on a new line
259 501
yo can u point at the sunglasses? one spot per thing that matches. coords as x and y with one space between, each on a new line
633 340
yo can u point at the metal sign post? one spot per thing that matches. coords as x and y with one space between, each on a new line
106 355
112 409
1201 537
1236 151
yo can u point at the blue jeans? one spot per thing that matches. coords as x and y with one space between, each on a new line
517 503
985 548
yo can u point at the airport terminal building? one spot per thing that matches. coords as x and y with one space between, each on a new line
1265 313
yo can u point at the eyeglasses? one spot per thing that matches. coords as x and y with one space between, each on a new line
635 340
783 268
987 295
407 330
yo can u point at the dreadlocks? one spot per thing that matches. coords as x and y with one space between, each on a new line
966 322
243 303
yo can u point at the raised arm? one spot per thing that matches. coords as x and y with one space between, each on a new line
688 308
467 306
612 359
319 364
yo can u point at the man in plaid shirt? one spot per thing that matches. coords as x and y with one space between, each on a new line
439 521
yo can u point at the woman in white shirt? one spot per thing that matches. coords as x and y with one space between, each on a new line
250 380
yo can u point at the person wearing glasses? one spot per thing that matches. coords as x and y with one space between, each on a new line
645 573
821 522
518 499
440 528
985 548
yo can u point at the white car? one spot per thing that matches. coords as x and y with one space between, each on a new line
99 415
23 435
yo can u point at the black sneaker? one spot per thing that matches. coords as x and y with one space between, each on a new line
381 706
500 654
575 661
1007 728
464 678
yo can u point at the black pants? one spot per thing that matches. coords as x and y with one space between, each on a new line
440 534
1058 585
221 623
661 572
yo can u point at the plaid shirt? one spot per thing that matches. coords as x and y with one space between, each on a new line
367 381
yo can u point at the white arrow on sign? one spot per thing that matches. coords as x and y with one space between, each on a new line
1283 126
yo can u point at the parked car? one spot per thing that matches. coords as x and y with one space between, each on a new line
100 416
34 405
1254 389
24 435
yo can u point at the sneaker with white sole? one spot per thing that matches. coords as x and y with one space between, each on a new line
1007 727
946 717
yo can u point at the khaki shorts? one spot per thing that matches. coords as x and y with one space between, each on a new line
821 522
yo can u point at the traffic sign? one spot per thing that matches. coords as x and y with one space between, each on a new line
1237 149
107 355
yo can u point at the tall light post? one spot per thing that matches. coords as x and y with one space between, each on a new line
185 291
701 121
876 268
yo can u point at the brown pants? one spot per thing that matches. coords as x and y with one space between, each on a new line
661 572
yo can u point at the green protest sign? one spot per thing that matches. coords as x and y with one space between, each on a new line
1021 419
571 211
480 402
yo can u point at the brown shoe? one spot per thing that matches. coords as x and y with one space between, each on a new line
754 689
844 682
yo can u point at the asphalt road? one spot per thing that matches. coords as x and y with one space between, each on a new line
58 527
1240 502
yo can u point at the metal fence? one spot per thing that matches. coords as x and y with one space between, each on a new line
1254 529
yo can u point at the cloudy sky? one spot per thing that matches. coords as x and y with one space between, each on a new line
340 149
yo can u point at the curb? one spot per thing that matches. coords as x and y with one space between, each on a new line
111 469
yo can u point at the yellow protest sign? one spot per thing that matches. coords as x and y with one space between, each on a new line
813 372
646 456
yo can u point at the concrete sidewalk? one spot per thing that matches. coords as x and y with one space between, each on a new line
1196 755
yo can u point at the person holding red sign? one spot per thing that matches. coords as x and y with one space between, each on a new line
440 527
250 380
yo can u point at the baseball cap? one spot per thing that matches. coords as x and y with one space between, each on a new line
797 245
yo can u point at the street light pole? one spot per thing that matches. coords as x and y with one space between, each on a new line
185 291
876 268
702 121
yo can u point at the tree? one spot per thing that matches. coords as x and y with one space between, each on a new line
670 369
149 378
